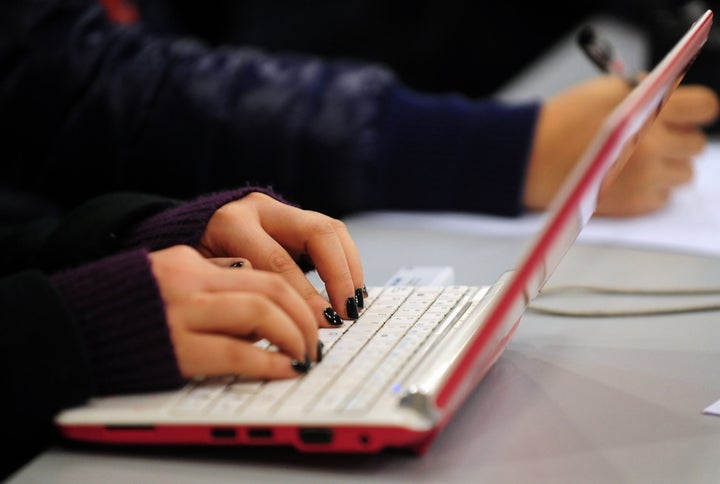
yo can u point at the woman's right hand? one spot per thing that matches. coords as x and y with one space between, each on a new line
217 312
661 162
276 236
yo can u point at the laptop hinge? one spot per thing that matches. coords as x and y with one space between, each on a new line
426 380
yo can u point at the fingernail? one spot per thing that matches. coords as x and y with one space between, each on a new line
359 298
351 306
320 348
332 317
237 264
301 366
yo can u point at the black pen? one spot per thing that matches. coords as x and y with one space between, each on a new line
603 55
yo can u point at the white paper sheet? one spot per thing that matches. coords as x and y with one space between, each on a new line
690 222
713 409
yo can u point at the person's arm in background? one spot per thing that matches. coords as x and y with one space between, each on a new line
452 46
173 116
82 98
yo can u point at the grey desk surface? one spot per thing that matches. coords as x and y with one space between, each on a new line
571 399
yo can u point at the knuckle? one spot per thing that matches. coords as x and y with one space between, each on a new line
699 142
276 285
223 213
256 196
184 251
280 261
687 175
323 226
232 356
338 225
259 308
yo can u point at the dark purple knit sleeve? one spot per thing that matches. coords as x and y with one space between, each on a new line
121 318
118 306
185 223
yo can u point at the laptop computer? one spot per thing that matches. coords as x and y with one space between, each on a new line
395 377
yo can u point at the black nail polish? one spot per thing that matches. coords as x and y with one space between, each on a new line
320 348
351 307
359 298
332 317
237 264
301 366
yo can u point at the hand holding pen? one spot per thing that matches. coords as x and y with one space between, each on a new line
662 161
604 56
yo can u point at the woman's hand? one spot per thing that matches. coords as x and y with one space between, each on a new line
216 311
661 162
275 237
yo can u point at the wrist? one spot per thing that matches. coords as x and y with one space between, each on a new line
121 318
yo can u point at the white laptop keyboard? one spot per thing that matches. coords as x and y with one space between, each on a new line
360 359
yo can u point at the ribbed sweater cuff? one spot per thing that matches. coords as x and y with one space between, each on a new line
121 317
185 223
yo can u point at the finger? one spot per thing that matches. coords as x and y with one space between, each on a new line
216 355
257 245
246 315
677 171
691 105
329 245
232 262
276 243
636 203
277 291
338 263
296 233
678 141
342 302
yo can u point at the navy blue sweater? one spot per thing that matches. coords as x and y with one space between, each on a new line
83 98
